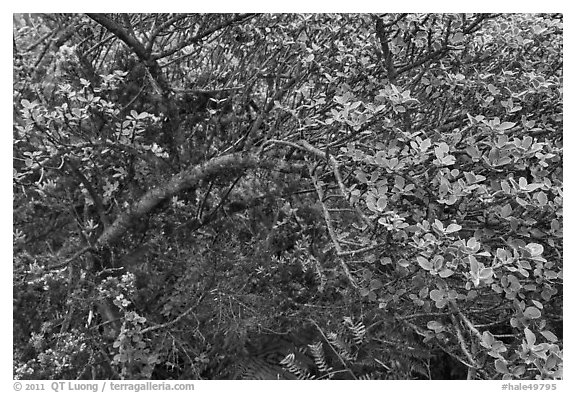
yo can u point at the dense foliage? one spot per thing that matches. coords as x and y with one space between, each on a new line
288 196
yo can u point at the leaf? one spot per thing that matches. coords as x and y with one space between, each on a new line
438 224
442 149
549 336
501 141
436 295
361 176
425 145
500 366
486 273
424 263
382 202
506 210
473 152
532 313
376 284
522 202
435 325
450 201
474 265
399 182
380 158
473 245
518 371
532 187
530 337
542 198
448 160
535 249
403 263
537 29
522 182
538 304
446 273
502 254
524 264
527 142
437 262
453 228
506 126
487 339
355 104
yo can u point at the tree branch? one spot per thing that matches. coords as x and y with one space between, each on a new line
336 170
200 36
332 231
93 194
388 61
184 180
122 34
138 48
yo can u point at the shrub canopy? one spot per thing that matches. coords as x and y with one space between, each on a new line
206 196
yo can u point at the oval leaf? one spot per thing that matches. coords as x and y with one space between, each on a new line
549 336
436 295
446 273
535 249
506 210
532 313
506 125
453 228
435 325
530 337
500 366
487 339
424 263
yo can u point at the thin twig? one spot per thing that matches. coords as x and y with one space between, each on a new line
331 231
462 342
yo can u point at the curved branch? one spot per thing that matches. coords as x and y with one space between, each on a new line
184 180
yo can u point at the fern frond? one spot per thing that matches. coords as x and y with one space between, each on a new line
290 364
340 346
358 330
319 357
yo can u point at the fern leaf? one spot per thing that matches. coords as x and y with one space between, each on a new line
340 346
319 358
290 364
